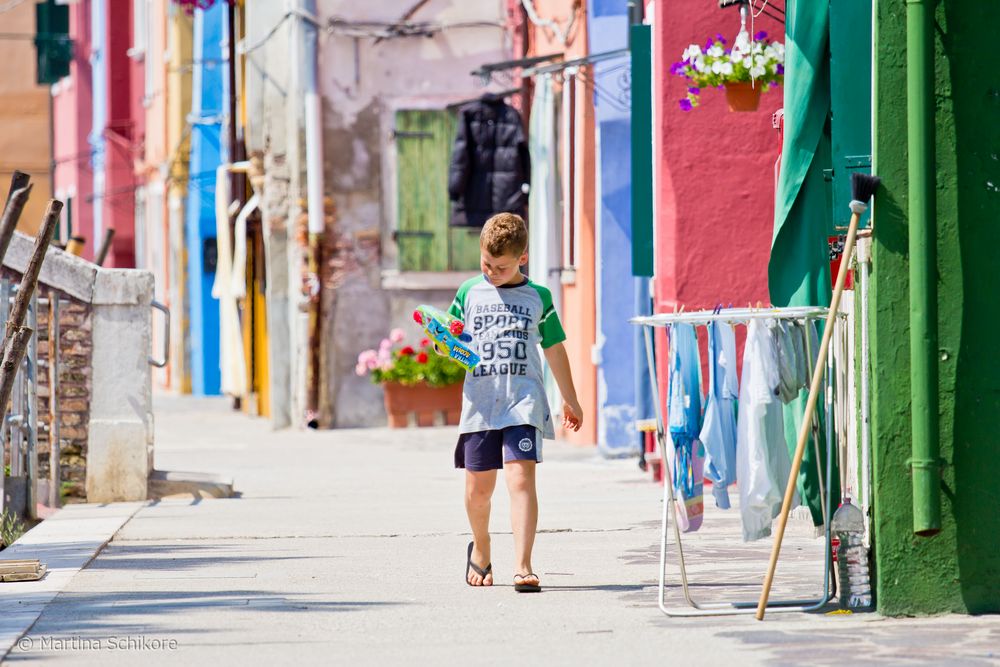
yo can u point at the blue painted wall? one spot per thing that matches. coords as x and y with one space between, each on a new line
208 92
608 31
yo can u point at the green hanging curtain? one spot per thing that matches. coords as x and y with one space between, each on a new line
799 268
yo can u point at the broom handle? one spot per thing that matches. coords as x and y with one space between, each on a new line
817 379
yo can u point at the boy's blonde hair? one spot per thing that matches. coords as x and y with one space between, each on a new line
504 234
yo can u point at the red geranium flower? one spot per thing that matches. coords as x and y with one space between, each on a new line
407 351
422 358
425 342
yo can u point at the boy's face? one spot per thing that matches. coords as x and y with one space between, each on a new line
502 269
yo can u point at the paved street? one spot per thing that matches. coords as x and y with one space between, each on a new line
348 547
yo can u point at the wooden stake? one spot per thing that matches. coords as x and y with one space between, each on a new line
18 180
11 215
102 252
13 354
30 278
805 427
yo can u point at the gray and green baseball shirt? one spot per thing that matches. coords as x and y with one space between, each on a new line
507 324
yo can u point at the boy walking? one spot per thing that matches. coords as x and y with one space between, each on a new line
505 412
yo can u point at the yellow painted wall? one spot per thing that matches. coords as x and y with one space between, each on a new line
24 115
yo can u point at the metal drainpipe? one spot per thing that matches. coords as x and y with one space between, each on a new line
309 31
925 461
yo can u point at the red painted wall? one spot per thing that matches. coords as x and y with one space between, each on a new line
119 200
714 184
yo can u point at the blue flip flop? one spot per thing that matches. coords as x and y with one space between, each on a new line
482 572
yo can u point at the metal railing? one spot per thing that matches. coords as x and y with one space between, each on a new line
22 424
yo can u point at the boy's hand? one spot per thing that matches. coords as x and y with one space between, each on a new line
572 416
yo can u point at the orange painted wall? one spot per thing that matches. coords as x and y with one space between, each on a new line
579 313
24 116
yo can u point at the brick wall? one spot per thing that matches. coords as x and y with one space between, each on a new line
74 390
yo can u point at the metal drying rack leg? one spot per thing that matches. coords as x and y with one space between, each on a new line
720 608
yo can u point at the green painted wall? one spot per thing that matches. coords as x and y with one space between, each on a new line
959 569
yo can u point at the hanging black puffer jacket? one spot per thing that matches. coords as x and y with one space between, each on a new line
490 164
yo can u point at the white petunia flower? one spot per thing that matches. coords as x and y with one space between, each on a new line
727 69
757 72
748 62
716 51
717 67
699 63
691 52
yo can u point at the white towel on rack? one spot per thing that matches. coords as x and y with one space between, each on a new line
762 461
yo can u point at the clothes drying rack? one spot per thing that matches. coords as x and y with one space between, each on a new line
732 608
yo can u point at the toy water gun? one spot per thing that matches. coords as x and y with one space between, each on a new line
448 335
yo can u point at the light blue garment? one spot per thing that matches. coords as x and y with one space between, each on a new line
684 405
718 433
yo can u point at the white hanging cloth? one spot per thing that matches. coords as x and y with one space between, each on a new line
762 461
232 362
544 215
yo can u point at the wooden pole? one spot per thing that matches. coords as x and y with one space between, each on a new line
12 356
11 215
800 447
18 180
30 278
102 252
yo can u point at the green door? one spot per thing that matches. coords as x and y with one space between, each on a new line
426 242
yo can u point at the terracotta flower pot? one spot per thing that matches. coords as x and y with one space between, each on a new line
425 401
743 96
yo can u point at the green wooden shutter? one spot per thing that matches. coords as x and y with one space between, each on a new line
426 242
850 99
642 151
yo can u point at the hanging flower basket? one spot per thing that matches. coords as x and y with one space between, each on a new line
749 68
742 96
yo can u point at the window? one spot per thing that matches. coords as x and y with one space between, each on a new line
424 239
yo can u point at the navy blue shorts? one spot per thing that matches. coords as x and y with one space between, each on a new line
489 450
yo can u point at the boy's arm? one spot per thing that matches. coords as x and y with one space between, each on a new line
559 363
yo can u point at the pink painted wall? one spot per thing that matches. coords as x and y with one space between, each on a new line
72 120
714 185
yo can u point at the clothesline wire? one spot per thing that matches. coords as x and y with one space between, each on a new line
732 315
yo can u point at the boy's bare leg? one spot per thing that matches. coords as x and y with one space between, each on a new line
478 493
520 477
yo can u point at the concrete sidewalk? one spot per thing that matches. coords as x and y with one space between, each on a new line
349 547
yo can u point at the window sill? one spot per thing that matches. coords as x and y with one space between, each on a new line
424 280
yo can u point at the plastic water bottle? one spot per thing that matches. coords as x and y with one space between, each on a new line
848 525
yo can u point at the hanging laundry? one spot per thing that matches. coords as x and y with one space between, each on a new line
684 426
544 212
490 163
791 359
762 461
812 474
718 433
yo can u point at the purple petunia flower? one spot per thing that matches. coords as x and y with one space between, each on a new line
760 35
708 43
781 68
719 38
686 105
694 91
677 68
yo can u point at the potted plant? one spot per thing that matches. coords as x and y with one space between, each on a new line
414 379
750 67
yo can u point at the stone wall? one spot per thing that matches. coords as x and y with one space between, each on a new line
75 347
